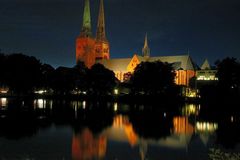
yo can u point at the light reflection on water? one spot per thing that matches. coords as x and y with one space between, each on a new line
189 137
3 102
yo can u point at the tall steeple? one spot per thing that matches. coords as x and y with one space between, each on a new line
86 26
146 49
85 43
102 47
101 34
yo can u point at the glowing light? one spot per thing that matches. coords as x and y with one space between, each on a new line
3 102
206 126
191 109
84 104
165 114
41 92
84 92
4 92
232 119
116 92
40 103
115 106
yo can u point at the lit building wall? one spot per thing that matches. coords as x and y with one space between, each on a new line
102 50
206 75
85 51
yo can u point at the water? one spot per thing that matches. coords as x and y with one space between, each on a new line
43 129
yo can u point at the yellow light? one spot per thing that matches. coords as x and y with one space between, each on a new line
206 126
115 106
116 92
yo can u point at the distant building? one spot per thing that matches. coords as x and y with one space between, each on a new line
122 67
91 50
88 47
206 75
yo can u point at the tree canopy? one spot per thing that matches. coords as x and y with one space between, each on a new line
153 78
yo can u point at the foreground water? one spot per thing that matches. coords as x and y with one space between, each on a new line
42 129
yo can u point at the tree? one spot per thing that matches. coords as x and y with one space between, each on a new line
228 73
82 71
101 81
153 78
23 73
63 80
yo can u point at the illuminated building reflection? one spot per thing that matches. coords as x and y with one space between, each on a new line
42 104
86 146
206 127
122 123
182 126
3 102
191 109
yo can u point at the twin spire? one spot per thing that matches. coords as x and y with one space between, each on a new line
86 27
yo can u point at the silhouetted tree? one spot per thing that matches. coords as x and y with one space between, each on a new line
82 71
228 86
153 78
64 80
101 81
47 71
23 73
228 73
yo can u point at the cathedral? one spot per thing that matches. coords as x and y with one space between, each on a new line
91 50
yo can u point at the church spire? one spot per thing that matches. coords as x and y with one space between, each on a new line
146 49
101 34
86 27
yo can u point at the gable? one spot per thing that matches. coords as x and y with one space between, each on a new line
133 63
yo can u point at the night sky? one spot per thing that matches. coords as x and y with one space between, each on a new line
47 29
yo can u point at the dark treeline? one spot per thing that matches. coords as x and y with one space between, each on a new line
150 81
24 74
227 90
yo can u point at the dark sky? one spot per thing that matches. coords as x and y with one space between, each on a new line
47 29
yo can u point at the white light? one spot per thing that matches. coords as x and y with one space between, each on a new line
232 118
3 102
84 92
165 114
84 104
40 92
39 103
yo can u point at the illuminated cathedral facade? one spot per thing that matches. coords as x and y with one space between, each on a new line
91 50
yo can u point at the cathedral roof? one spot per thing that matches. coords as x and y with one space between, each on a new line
205 65
180 62
118 64
183 62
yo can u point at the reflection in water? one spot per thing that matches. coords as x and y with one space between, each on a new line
86 146
3 102
99 134
182 126
206 127
191 109
115 106
42 104
122 123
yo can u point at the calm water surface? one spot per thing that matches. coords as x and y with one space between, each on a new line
79 130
